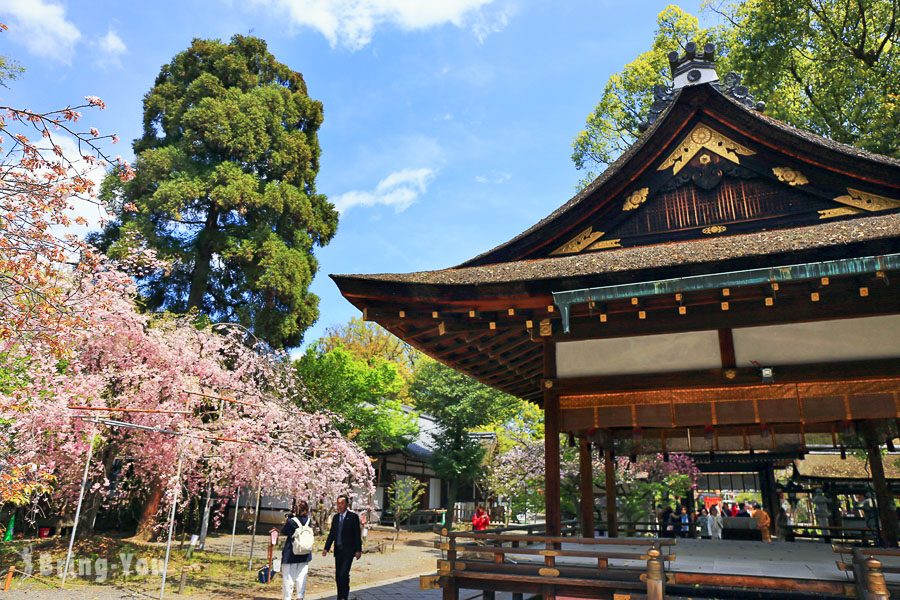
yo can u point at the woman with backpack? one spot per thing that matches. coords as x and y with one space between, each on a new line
295 556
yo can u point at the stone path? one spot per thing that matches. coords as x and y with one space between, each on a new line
405 589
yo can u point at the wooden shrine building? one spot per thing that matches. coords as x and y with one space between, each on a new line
728 285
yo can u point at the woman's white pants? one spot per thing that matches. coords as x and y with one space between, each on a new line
293 577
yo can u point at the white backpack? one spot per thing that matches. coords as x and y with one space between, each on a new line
303 538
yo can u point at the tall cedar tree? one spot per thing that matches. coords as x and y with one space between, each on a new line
225 190
459 405
828 66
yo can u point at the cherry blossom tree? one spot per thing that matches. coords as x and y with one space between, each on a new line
519 476
217 403
46 162
71 342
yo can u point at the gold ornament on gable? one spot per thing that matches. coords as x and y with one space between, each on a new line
579 242
604 244
790 176
830 213
704 138
636 198
867 201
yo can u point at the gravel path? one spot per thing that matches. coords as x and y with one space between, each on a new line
413 555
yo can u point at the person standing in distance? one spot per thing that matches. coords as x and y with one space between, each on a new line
346 535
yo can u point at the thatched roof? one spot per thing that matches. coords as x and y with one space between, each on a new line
835 233
831 466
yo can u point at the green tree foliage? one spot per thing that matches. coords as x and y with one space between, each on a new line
613 124
459 405
372 343
828 66
225 190
364 394
405 494
525 424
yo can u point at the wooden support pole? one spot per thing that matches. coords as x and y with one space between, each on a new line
609 464
586 488
551 443
655 578
876 586
886 512
770 499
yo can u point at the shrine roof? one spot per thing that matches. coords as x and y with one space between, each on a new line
779 241
705 102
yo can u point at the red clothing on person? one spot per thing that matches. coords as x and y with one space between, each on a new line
480 520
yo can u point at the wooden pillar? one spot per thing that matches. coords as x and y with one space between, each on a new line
770 494
886 512
586 472
553 513
609 464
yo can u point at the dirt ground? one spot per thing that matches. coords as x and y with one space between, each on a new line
213 575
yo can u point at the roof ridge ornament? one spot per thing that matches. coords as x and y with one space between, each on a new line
732 87
693 69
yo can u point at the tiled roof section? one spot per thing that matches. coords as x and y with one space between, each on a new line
778 241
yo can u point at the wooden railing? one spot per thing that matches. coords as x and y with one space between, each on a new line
862 535
868 572
632 568
527 564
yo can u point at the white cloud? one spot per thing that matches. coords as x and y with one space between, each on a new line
42 28
352 23
399 189
110 48
112 43
493 178
485 23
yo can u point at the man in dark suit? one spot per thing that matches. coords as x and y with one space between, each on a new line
346 535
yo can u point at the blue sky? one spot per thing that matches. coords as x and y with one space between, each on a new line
448 123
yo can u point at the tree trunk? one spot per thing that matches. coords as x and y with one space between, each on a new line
145 530
94 501
202 260
452 492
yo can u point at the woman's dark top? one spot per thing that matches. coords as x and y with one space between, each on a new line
287 553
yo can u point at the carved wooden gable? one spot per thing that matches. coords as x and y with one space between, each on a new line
713 180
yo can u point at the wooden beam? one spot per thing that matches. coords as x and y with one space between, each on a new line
736 377
552 491
586 487
609 465
886 512
847 304
726 349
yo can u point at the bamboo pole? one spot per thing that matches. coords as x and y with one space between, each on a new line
87 465
175 495
255 519
157 411
237 507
